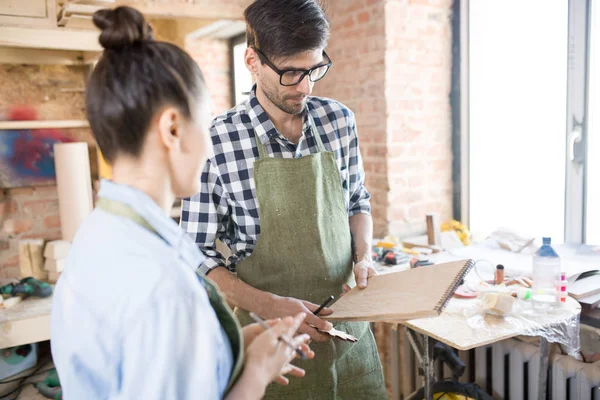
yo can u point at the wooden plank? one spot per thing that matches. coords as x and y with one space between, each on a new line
55 38
15 125
204 9
20 8
16 55
27 322
38 13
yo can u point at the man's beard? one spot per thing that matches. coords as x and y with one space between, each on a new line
284 104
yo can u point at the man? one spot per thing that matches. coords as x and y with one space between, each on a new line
284 190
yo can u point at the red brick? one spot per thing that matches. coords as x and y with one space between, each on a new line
363 17
4 244
11 271
37 207
17 225
8 207
20 192
46 191
52 221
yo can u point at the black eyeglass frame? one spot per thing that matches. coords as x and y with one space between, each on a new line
305 72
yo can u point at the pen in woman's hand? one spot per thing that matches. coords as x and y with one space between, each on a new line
266 326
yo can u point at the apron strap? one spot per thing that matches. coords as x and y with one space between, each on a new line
262 152
123 210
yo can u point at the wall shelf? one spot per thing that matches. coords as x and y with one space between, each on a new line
67 124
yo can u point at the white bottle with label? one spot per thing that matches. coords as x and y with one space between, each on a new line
546 271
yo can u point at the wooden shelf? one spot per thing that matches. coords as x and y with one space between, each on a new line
50 38
15 125
27 322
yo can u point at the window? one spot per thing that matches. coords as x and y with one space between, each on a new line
593 143
242 78
525 125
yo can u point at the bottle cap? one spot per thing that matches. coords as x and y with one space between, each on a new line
546 240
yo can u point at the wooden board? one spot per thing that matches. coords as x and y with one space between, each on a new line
39 13
27 322
50 38
585 287
453 327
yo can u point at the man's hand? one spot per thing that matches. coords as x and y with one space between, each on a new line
363 270
285 306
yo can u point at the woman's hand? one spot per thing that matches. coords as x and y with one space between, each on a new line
252 331
270 356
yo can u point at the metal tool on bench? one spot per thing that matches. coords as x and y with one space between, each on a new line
27 287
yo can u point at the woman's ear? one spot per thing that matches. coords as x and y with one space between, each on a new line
169 128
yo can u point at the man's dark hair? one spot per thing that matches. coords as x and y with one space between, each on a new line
283 28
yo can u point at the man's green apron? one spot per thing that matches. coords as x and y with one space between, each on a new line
305 251
224 314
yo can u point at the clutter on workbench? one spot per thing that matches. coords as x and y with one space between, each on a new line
31 258
510 240
461 230
13 293
387 252
546 272
56 254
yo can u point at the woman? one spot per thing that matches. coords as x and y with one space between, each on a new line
131 319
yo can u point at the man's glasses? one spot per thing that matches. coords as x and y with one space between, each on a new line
292 77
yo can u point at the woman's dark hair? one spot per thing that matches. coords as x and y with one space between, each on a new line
135 77
284 28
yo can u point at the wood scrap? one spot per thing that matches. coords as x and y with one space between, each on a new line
10 302
340 335
31 258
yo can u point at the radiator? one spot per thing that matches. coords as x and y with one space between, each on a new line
509 370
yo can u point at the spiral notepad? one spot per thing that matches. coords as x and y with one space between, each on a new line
400 296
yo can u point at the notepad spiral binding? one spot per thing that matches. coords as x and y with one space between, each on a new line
452 288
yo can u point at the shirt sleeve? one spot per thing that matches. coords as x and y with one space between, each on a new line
170 353
360 202
205 217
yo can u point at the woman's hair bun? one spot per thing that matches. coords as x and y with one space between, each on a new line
121 27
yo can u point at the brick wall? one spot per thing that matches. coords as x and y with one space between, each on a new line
418 67
392 63
33 212
213 57
357 79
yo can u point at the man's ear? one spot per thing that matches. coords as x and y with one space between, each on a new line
251 60
169 127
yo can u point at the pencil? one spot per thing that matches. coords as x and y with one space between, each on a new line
318 310
266 326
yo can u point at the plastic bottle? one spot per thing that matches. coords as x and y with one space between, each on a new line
546 271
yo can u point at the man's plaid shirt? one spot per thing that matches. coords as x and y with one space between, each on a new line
226 207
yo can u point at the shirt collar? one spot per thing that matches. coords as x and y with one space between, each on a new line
261 123
164 226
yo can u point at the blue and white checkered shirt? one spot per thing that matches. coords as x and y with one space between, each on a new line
226 207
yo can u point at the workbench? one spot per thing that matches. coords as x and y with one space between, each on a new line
26 322
452 328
